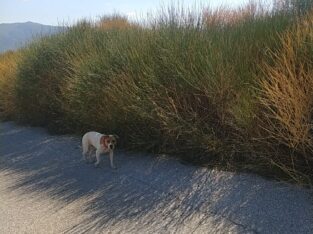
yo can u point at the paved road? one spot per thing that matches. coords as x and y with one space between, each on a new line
45 187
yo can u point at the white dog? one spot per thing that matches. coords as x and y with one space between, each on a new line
102 143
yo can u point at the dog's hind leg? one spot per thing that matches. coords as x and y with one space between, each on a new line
98 158
85 146
87 155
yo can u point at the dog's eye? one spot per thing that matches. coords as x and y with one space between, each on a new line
113 141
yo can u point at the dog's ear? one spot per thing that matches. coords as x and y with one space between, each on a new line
116 136
103 140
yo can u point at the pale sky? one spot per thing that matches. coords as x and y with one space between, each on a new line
58 12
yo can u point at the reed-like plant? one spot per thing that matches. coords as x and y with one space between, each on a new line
220 87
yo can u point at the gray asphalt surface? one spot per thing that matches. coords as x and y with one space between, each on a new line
46 187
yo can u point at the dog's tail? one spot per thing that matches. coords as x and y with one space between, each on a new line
85 145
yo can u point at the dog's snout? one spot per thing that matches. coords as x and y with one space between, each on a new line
111 146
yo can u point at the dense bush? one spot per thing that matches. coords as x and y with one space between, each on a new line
8 75
228 88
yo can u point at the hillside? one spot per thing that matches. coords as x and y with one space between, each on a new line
15 35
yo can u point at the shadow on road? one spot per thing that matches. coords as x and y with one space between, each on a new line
149 194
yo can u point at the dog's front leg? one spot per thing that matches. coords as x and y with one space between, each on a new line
98 158
111 160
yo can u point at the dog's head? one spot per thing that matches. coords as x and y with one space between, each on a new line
109 141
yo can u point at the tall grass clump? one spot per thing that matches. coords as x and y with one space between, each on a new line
41 75
287 100
228 88
8 73
38 81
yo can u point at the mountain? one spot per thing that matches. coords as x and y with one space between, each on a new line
15 35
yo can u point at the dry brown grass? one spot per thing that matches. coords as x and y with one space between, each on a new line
8 69
287 100
114 22
224 16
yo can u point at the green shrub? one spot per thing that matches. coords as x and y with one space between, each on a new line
195 83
